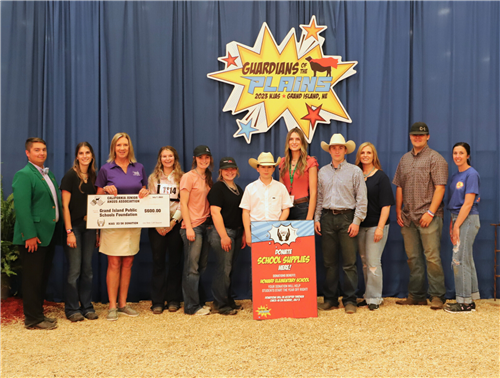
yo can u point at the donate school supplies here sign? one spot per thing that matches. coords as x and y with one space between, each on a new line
283 270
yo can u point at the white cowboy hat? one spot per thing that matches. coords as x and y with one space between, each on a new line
265 158
338 139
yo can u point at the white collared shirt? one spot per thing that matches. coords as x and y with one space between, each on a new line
265 202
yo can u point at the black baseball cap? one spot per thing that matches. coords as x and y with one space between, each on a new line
201 150
419 128
227 162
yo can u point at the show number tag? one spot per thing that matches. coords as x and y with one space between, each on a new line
171 190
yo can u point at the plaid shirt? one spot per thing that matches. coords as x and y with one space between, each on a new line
417 175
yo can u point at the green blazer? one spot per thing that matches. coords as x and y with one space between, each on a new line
35 207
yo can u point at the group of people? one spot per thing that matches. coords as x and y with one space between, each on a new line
349 203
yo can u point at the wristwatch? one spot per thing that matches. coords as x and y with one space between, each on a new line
69 231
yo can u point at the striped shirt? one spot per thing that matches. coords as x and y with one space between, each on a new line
342 188
417 175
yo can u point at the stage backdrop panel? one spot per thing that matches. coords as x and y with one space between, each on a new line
74 71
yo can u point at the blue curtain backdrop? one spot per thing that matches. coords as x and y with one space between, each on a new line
74 71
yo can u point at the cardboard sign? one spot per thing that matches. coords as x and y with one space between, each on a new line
128 211
283 270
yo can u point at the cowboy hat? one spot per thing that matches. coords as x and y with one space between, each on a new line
338 140
265 158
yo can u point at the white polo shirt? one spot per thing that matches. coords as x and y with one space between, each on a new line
266 203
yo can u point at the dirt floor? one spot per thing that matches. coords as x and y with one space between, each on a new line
395 341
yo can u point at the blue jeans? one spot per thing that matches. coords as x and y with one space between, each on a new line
419 243
221 283
299 211
195 263
78 287
466 286
336 242
371 255
166 287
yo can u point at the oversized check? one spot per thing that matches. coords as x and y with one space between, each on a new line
128 211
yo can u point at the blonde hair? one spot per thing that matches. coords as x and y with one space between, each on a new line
91 173
219 178
112 148
302 163
376 161
208 174
158 171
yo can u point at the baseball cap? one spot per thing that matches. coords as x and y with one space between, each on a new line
419 128
227 162
201 150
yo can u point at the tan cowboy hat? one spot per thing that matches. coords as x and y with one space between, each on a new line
338 139
265 158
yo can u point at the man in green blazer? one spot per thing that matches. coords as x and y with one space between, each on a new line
39 226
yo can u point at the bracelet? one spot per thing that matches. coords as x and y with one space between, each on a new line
430 213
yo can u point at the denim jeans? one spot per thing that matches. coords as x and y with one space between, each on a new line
466 286
299 211
371 255
78 287
221 283
425 243
166 287
335 242
195 263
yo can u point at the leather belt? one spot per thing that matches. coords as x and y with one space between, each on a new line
335 212
301 200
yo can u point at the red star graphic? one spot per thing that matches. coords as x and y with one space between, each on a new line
230 60
312 29
313 115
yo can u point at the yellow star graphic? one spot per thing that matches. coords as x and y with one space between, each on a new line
312 30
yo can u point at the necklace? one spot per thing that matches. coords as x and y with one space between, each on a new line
199 174
369 173
233 190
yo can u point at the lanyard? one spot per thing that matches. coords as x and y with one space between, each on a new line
292 175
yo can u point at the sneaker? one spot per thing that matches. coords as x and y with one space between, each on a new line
112 314
412 302
157 310
457 308
350 308
202 311
91 316
472 305
127 310
76 317
173 306
436 304
373 307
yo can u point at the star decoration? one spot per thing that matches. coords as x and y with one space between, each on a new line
312 30
245 129
313 115
230 60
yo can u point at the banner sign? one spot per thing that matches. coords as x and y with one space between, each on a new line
293 80
128 211
283 270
